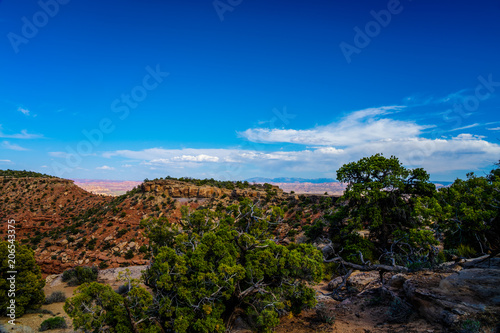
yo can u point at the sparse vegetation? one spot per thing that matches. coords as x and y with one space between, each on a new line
78 275
53 323
129 254
22 174
55 297
220 247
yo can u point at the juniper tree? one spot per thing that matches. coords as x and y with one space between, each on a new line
381 195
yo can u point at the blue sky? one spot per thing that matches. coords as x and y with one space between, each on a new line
233 89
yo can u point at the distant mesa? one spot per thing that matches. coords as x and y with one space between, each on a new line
291 180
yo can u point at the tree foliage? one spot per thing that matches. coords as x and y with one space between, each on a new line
80 274
467 212
98 308
227 184
28 279
206 271
216 266
23 173
381 196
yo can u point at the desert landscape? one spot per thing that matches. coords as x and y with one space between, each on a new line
70 229
232 166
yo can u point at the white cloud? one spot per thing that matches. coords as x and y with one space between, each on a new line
357 128
105 167
23 135
463 152
12 146
176 155
6 162
494 129
195 158
360 134
465 127
24 111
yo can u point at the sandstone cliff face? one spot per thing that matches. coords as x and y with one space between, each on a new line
177 189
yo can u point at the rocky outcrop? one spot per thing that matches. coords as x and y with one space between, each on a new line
178 189
449 299
452 298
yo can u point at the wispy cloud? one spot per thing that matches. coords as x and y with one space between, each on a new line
494 129
12 146
356 128
59 154
453 97
23 135
24 111
463 152
323 149
465 127
105 167
6 162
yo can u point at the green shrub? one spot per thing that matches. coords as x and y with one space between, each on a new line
129 254
29 282
91 244
53 323
55 297
330 269
441 257
121 233
315 230
465 251
78 275
470 326
353 244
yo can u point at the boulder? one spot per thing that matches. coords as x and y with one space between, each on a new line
361 279
481 286
335 283
397 281
490 263
452 298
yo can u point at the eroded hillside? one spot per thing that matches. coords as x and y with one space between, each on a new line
68 226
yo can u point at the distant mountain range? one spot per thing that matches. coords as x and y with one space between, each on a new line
313 181
291 180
